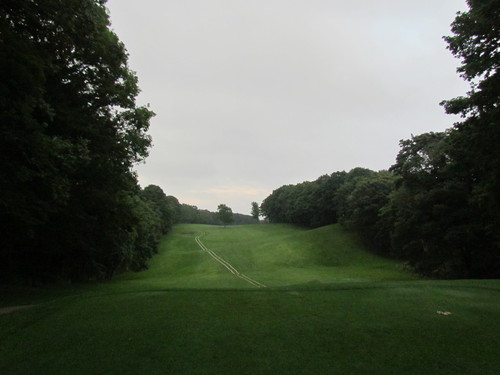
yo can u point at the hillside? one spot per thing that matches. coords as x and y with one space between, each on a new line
282 255
274 254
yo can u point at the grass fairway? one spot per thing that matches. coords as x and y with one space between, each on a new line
329 308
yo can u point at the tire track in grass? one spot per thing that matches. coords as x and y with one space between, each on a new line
226 264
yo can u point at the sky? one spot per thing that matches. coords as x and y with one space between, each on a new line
253 95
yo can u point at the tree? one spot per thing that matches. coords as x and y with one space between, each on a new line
155 195
426 209
146 232
324 197
224 214
175 208
362 209
349 182
255 210
474 141
71 133
446 209
308 203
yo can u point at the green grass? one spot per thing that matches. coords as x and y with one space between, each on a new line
330 308
280 255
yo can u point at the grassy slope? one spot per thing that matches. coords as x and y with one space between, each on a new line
350 313
281 255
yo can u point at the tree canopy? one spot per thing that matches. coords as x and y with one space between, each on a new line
225 214
255 210
71 133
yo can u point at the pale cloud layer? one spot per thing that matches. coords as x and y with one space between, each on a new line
252 95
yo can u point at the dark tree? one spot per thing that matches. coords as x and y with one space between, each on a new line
445 212
310 203
362 209
225 214
428 209
175 208
255 210
70 134
475 141
162 204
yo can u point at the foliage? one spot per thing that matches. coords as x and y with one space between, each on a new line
193 215
190 214
427 209
309 203
167 207
474 141
445 212
255 210
225 214
363 205
70 134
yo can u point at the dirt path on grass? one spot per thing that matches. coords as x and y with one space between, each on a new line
226 264
11 309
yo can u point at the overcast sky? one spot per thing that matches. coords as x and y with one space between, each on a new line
251 95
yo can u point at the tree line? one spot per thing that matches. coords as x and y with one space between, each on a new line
438 206
193 215
71 132
70 205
